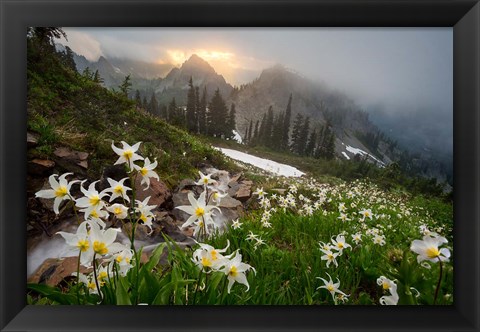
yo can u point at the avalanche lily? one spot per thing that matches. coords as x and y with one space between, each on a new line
147 172
428 249
127 154
60 190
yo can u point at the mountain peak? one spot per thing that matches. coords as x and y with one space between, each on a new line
198 63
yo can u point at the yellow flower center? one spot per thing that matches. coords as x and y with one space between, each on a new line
143 171
385 285
340 245
330 287
83 245
330 256
432 252
205 180
117 210
61 191
94 213
91 285
143 218
119 259
128 154
102 276
214 255
100 248
206 262
94 200
233 271
127 260
199 211
118 189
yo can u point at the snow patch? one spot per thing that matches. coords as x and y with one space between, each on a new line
237 137
117 70
363 153
345 155
265 164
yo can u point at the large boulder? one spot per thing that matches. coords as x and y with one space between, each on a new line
71 160
40 167
158 192
54 270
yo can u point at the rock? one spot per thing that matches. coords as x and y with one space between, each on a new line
179 199
229 203
186 184
235 179
54 270
158 192
32 140
40 166
243 193
67 158
247 183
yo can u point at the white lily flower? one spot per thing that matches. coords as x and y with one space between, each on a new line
329 257
205 180
259 192
366 213
379 239
60 190
127 154
235 271
428 249
80 241
123 259
343 217
388 285
236 224
357 238
198 211
120 211
92 200
339 244
331 287
88 281
147 172
103 241
118 189
209 257
146 216
217 197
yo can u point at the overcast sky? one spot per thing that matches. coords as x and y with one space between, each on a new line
398 69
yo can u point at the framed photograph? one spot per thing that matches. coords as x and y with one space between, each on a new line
347 200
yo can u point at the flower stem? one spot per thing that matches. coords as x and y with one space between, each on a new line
439 281
95 276
223 290
78 276
198 286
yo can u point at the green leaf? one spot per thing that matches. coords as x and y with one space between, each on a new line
155 258
53 293
121 292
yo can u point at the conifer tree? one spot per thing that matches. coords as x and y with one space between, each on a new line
175 114
218 113
312 143
145 103
231 121
202 113
163 112
286 125
97 78
153 105
138 99
191 113
267 133
277 132
297 127
125 86
303 136
198 107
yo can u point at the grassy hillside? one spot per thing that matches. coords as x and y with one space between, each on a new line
67 108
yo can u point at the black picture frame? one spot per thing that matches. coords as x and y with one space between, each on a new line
462 15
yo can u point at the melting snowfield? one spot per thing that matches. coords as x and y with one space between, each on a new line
265 164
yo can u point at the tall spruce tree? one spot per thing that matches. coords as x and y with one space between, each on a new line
145 103
202 113
218 113
254 139
286 125
277 132
267 134
126 86
303 136
198 108
153 105
138 99
191 112
261 131
231 121
175 114
296 130
312 143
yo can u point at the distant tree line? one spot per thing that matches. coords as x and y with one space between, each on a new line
273 131
199 116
